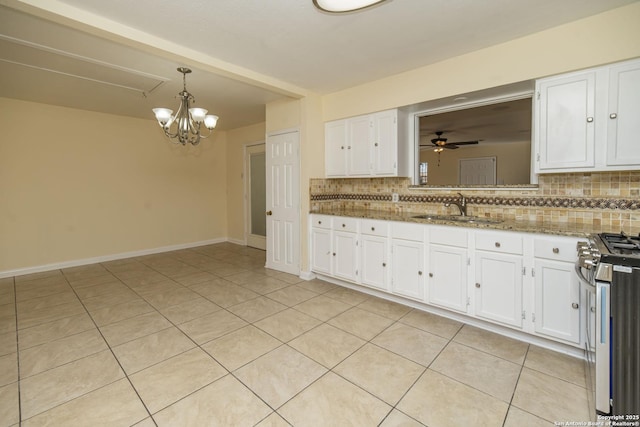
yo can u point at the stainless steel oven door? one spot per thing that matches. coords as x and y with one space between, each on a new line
603 347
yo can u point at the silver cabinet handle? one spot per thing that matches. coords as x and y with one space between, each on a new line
556 250
497 244
613 116
477 285
589 119
575 305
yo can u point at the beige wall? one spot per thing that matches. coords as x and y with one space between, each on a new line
81 184
607 37
513 162
237 139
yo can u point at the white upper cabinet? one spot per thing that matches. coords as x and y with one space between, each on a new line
335 148
623 128
368 145
359 136
588 121
566 128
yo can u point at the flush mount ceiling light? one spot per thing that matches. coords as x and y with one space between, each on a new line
187 120
339 6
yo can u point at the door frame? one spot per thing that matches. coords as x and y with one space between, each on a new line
257 241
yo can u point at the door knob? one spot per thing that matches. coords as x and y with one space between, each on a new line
575 305
269 213
477 285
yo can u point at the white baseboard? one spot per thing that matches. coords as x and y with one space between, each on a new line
307 275
105 258
237 241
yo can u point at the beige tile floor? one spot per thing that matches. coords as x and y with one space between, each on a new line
209 337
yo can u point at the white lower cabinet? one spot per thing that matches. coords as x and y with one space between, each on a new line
498 288
345 255
557 311
478 273
374 255
447 282
408 268
321 249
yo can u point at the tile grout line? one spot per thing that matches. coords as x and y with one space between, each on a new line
112 353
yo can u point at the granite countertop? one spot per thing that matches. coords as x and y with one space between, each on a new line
555 228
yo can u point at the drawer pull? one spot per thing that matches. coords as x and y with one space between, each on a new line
430 274
497 244
556 250
373 229
477 285
384 264
575 305
319 222
343 225
334 254
589 119
419 273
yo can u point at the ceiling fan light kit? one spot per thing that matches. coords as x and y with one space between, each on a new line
187 119
343 6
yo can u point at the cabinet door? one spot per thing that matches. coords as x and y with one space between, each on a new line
359 146
557 298
566 122
321 250
374 268
447 283
498 288
335 161
408 268
385 143
623 114
345 255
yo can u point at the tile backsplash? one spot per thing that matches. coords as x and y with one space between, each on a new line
609 201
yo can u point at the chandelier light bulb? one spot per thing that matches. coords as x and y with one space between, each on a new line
210 121
197 114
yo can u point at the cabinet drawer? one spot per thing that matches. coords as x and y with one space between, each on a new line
555 248
374 227
499 242
321 221
450 236
407 231
342 223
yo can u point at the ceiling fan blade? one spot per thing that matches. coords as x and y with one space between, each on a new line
464 143
451 146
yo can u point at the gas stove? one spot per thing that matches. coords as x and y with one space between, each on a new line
617 248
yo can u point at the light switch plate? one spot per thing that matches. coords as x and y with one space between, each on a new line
395 197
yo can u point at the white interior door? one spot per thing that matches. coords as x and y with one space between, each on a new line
283 202
255 196
478 171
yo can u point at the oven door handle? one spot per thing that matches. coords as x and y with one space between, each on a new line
590 286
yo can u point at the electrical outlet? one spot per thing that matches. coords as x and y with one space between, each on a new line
395 197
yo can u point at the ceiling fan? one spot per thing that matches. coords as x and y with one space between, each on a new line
439 142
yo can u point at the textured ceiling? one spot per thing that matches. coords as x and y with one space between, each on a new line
120 56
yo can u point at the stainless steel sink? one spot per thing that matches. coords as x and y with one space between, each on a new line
459 218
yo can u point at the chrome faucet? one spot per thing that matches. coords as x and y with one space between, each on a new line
462 204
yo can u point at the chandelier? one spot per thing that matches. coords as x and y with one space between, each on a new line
187 120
